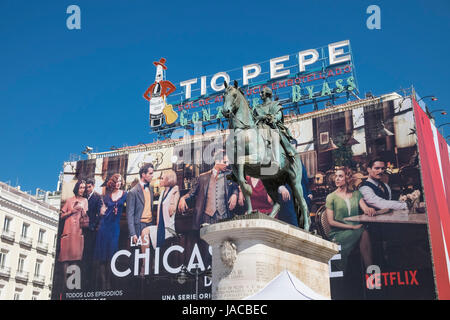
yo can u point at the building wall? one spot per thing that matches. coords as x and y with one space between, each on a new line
30 281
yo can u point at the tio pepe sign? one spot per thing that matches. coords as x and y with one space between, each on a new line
277 68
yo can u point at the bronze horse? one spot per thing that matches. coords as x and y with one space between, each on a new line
247 148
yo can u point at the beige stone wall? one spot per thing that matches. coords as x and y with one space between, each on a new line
26 285
264 248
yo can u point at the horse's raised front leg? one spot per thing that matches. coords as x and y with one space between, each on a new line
242 182
275 209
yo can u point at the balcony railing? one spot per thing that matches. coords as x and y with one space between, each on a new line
28 242
22 275
8 235
5 272
42 246
38 279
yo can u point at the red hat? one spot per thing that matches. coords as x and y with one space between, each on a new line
161 63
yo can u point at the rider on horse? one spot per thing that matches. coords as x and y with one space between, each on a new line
269 113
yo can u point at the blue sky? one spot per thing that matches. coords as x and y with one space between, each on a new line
61 89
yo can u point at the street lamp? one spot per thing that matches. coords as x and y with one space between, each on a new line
433 98
196 272
443 111
430 113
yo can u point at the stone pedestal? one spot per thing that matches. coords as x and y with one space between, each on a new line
249 251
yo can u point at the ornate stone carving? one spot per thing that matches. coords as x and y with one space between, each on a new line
228 253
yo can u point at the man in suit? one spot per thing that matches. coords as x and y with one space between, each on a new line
376 193
95 203
140 203
215 196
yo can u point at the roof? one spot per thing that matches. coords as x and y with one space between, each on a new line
26 196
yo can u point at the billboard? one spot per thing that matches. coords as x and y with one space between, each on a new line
301 82
383 232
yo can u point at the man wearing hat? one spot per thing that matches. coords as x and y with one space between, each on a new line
269 113
157 92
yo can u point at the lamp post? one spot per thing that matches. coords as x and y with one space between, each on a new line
194 272
444 124
430 113
443 111
433 98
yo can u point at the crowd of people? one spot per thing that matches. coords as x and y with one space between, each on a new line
91 222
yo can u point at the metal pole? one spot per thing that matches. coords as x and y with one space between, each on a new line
196 283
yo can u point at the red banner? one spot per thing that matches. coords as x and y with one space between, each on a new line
435 165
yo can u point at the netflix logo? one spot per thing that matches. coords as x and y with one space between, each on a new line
396 278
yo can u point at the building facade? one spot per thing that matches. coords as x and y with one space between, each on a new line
27 245
349 134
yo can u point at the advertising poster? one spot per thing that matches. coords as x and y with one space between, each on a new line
370 146
384 254
99 261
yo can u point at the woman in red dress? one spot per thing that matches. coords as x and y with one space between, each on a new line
260 199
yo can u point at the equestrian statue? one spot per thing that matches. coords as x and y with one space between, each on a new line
259 145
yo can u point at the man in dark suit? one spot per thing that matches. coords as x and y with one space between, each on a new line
140 203
95 203
215 196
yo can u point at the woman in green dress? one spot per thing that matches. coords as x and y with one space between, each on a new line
342 203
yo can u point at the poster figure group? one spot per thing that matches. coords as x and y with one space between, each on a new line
346 201
147 214
213 198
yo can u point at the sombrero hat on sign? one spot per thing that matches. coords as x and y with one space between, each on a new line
160 63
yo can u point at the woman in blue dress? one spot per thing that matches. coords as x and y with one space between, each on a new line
107 242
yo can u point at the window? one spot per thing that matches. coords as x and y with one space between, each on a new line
25 230
51 272
2 259
6 224
21 264
41 236
35 295
324 138
17 295
37 268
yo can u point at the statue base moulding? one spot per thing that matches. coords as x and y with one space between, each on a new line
251 250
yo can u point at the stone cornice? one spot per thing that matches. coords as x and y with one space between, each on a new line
31 210
271 232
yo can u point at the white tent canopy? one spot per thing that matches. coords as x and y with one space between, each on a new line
286 286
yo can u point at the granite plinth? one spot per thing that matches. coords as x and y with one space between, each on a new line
251 250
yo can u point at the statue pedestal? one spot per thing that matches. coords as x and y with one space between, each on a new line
249 251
